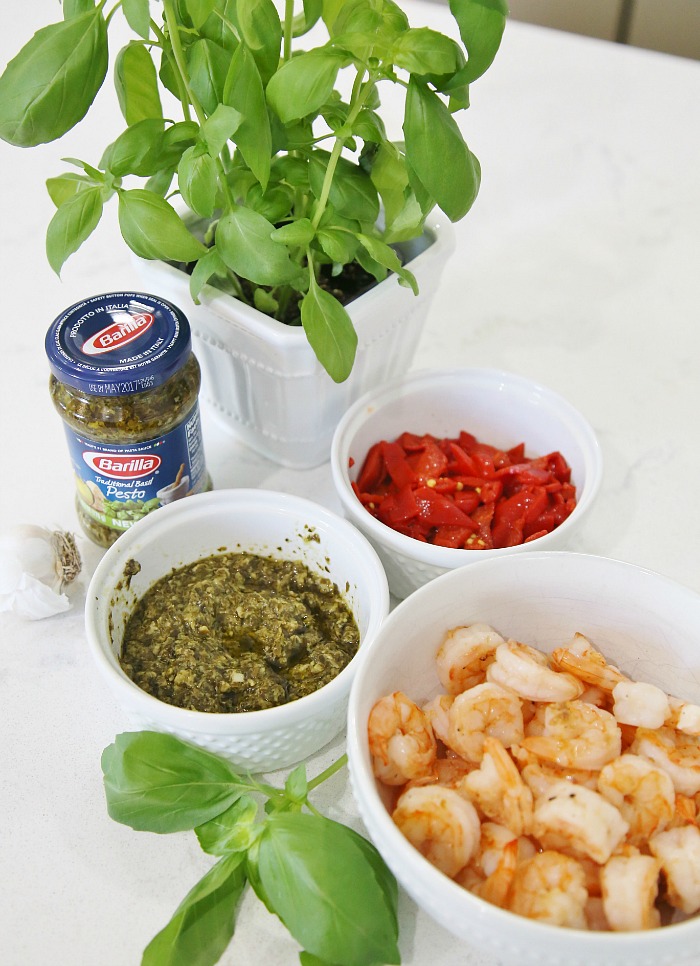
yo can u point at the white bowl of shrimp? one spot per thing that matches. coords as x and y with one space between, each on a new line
534 722
506 464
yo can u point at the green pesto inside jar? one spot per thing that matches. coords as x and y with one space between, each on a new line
125 419
238 632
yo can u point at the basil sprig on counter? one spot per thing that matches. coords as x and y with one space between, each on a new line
328 885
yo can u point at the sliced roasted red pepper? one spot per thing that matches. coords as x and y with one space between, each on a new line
462 492
430 463
372 469
397 465
437 510
452 536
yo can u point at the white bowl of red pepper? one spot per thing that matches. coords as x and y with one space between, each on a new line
445 467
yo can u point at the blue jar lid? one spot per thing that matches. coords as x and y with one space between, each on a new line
118 343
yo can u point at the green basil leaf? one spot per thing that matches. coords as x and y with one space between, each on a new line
219 128
244 91
199 11
481 24
436 152
208 64
304 21
331 11
138 16
297 785
87 168
159 183
387 257
204 922
296 233
51 83
370 265
332 337
222 24
261 31
207 267
394 15
424 51
198 180
136 151
352 192
291 170
157 783
390 178
307 959
357 17
72 223
73 8
243 241
232 831
136 84
408 222
303 84
363 44
340 246
370 127
64 186
265 302
275 204
328 889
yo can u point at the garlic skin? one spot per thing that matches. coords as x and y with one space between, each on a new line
36 564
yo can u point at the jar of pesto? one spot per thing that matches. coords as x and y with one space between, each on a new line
126 383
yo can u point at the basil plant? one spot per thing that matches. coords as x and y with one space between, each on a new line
278 154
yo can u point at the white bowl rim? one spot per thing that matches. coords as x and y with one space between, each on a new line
451 557
528 931
246 722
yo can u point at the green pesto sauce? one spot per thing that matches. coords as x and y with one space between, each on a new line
238 632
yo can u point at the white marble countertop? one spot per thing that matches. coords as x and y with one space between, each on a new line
578 267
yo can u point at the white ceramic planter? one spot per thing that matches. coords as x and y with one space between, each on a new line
263 380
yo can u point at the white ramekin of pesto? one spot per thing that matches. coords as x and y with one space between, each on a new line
254 580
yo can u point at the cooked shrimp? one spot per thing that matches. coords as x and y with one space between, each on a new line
539 775
642 792
586 663
678 851
524 669
448 772
498 789
496 886
592 694
684 717
577 820
483 710
550 887
576 735
630 886
464 655
437 713
685 811
401 741
494 838
640 704
442 825
676 753
535 723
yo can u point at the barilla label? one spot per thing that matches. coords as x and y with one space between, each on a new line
117 485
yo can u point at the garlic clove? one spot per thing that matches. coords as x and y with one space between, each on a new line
36 564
